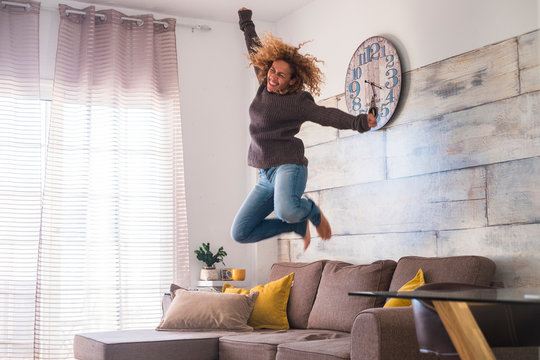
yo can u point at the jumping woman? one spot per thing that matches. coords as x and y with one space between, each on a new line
281 105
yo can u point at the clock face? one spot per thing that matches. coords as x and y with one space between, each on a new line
374 73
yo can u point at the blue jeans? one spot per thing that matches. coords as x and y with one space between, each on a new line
278 189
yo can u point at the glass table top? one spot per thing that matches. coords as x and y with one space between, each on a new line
504 295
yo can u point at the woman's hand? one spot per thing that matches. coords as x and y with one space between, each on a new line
244 15
371 121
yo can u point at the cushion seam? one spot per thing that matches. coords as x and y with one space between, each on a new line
154 341
308 352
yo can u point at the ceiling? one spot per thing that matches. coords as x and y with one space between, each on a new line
219 10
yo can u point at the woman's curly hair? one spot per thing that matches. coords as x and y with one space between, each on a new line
304 68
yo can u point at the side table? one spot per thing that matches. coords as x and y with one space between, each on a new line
217 285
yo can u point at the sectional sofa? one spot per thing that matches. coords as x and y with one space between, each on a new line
325 322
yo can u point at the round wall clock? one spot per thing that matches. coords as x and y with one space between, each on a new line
373 80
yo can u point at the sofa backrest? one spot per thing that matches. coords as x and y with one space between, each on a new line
319 295
475 270
303 291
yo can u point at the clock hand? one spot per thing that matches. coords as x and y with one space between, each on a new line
372 107
373 84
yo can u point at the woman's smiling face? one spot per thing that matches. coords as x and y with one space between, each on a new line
279 77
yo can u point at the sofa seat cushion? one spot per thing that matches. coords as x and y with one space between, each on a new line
330 349
147 345
263 344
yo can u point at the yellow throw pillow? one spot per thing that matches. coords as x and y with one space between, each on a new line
270 311
417 281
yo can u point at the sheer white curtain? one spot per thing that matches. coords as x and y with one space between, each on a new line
20 177
113 230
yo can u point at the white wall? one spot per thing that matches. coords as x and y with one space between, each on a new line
423 31
216 90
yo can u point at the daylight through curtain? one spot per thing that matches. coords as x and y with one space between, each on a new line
114 231
20 176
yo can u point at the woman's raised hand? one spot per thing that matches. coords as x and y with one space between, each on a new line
371 120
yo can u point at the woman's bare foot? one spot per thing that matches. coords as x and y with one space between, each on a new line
307 237
324 230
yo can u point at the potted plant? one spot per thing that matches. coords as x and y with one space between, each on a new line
205 255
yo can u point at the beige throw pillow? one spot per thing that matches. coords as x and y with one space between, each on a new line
202 310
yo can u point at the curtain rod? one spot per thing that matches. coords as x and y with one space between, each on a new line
26 6
103 17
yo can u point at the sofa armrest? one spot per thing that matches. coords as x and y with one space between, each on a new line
385 334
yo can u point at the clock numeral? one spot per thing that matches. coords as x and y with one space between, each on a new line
384 110
390 61
357 73
392 73
390 97
356 104
362 58
373 52
354 89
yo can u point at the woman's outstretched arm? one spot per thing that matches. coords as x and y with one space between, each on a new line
328 116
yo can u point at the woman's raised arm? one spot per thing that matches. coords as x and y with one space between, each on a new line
248 27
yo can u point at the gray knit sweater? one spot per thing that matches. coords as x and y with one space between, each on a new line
276 119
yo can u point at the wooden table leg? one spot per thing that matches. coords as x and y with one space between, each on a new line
463 330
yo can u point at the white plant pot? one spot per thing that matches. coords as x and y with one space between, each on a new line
209 274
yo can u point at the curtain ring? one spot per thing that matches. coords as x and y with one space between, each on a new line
76 12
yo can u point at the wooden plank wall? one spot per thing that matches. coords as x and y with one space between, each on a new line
456 172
